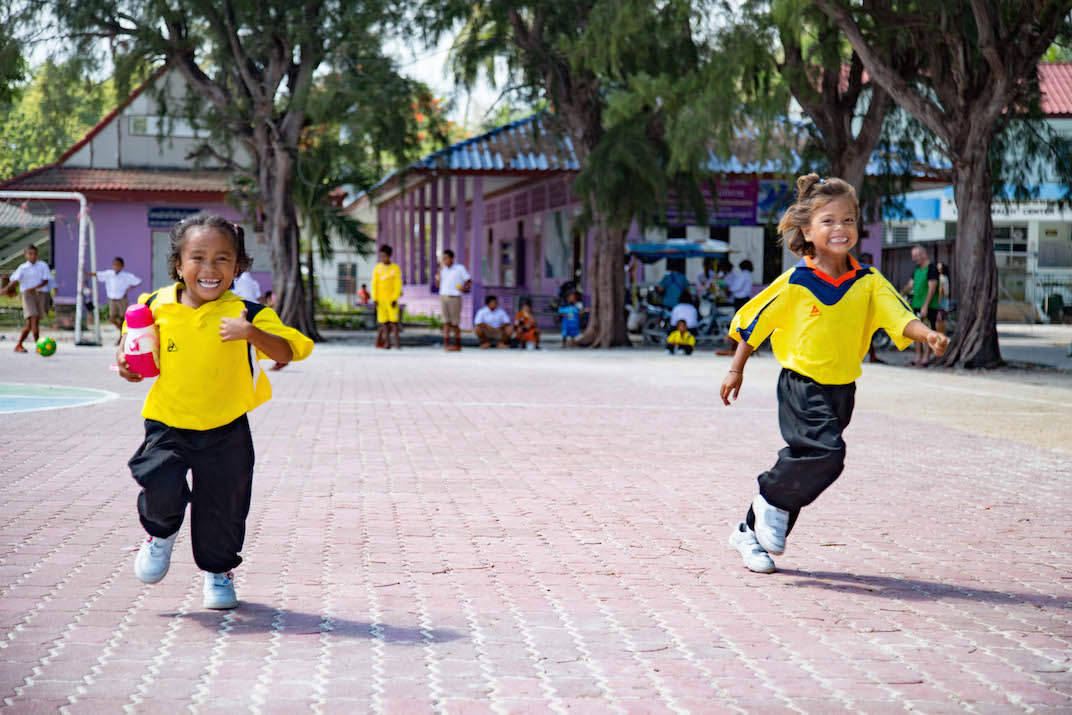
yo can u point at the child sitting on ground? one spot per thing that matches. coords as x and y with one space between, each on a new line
195 412
571 320
681 341
820 316
526 330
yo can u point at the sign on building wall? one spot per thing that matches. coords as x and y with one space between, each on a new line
731 202
168 216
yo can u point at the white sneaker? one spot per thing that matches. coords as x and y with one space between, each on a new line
755 558
771 525
154 558
219 591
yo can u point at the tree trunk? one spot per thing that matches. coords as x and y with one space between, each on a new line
281 225
311 273
975 344
606 318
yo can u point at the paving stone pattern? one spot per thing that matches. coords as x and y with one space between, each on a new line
527 533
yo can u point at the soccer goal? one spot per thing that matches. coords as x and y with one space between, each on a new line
87 238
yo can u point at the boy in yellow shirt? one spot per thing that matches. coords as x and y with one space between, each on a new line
681 341
386 290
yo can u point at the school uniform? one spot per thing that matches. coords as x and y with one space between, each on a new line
820 328
29 276
683 341
386 290
116 286
195 420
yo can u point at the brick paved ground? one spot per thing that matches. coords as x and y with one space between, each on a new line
505 532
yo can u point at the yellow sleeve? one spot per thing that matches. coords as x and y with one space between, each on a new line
393 289
889 311
268 321
374 283
690 339
760 316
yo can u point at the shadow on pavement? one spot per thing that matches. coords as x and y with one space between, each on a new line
908 589
261 618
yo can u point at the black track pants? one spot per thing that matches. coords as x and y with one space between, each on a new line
221 460
812 417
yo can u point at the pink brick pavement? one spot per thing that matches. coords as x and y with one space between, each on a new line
528 533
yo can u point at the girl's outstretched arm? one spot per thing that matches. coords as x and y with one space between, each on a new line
919 332
735 376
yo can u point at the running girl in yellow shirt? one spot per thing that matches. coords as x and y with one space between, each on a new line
195 412
820 316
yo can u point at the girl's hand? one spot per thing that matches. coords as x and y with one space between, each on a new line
235 328
124 369
938 343
731 385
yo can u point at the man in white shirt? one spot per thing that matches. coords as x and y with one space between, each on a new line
117 283
33 278
247 287
686 311
739 286
453 280
492 324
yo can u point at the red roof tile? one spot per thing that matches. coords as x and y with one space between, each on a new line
1055 81
58 178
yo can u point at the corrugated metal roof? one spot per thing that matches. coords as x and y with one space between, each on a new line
524 145
13 215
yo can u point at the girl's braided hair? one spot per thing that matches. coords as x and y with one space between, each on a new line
812 194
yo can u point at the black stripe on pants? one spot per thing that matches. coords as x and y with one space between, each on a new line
812 417
221 460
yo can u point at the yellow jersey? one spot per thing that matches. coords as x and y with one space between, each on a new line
679 338
205 383
386 283
821 327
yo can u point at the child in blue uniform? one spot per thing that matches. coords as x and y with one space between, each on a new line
195 412
820 316
571 319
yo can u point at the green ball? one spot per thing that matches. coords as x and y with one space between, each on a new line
46 347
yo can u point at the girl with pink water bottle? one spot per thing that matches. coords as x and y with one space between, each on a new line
210 342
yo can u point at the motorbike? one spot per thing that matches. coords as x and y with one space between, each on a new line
710 331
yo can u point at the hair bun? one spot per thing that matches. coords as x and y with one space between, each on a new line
805 184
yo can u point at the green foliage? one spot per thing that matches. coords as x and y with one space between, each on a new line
54 110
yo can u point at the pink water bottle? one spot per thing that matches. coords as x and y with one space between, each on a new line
142 345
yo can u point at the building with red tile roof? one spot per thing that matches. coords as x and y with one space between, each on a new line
137 170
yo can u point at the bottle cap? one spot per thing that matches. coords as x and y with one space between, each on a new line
139 316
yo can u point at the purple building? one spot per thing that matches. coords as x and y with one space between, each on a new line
503 202
135 170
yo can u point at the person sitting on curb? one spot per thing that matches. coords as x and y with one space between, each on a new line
681 341
492 324
525 326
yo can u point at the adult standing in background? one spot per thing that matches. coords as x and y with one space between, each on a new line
673 284
117 283
923 288
739 287
453 279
